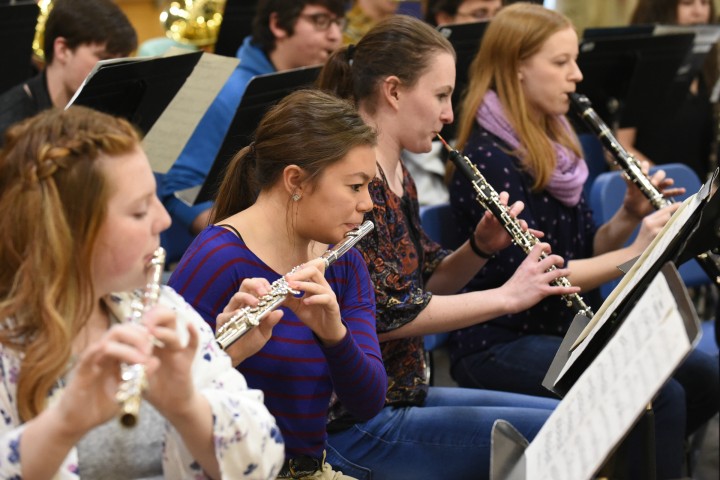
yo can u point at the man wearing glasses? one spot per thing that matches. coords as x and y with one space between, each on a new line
286 34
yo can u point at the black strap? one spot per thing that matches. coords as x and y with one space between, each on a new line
231 228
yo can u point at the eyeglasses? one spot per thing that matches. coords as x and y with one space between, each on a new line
322 21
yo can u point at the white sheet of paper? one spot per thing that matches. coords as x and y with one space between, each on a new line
168 137
614 390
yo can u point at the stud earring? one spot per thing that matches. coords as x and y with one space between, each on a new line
296 197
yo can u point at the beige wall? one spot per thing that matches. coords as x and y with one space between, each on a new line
145 17
599 13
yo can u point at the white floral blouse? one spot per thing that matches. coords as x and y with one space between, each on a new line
248 443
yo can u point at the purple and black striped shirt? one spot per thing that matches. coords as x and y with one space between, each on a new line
296 373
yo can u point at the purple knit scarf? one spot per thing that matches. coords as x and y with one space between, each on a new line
571 171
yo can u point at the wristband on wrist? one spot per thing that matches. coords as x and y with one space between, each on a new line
477 250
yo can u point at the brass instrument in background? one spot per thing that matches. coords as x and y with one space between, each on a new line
195 22
39 39
134 378
489 199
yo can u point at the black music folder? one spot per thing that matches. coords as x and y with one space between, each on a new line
138 88
598 411
629 76
262 92
465 39
17 30
236 25
690 232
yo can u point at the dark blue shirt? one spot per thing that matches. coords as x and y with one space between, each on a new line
569 230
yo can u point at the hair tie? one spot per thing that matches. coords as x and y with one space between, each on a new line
252 149
350 53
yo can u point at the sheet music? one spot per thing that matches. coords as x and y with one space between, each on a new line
629 281
167 138
613 391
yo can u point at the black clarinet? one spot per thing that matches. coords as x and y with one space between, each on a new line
490 200
709 261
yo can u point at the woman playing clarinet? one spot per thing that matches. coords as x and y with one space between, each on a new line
513 128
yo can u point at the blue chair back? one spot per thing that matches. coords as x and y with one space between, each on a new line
439 224
594 155
606 196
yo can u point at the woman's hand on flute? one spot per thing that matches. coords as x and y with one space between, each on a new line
251 290
317 307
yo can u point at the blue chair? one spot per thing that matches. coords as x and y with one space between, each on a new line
594 155
606 196
439 224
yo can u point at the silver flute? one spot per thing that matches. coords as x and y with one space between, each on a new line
709 261
248 318
134 378
490 200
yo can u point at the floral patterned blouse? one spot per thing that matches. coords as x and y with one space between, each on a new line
248 444
400 259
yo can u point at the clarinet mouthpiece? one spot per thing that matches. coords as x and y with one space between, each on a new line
447 145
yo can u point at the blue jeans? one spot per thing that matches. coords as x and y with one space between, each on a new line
447 437
688 400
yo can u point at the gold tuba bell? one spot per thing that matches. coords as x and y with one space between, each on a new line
194 22
39 39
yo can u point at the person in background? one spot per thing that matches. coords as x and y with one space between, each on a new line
442 12
78 33
286 34
363 15
688 134
301 184
401 75
81 222
513 128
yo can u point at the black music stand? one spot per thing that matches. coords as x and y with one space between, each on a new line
691 239
236 25
465 39
262 92
625 76
622 31
668 250
137 89
593 419
17 30
706 37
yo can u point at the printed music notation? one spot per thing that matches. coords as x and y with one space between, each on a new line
166 140
615 389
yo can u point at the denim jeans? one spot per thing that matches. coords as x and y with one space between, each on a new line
447 437
688 400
